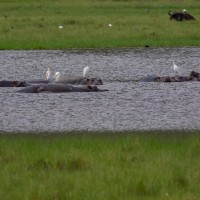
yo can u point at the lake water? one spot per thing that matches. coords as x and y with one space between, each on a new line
128 105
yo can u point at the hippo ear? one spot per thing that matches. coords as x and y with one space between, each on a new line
88 82
89 87
14 83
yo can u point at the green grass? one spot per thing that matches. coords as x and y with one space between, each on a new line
33 24
100 166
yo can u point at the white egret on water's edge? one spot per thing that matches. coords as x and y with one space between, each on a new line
48 73
175 67
85 71
57 76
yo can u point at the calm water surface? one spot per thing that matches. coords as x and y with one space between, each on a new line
128 105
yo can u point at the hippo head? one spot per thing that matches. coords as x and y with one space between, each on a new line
194 74
91 88
93 81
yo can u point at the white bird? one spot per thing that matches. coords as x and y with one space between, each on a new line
48 73
85 71
175 67
57 76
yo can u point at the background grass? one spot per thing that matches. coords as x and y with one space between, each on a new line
128 166
88 166
33 24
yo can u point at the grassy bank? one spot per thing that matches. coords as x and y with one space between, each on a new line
105 166
33 24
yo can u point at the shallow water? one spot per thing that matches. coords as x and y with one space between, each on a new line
128 105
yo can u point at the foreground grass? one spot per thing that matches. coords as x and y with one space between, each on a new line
100 166
33 24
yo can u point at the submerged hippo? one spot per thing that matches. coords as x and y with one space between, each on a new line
37 81
58 87
73 80
166 79
193 76
6 83
77 80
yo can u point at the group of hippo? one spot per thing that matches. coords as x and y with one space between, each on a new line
84 84
64 84
193 76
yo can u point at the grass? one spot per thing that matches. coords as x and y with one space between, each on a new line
34 24
149 165
100 166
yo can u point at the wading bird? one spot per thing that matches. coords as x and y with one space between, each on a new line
57 76
85 71
175 67
48 73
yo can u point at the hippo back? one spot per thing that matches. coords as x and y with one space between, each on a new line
55 87
58 88
149 78
37 81
30 89
77 80
5 83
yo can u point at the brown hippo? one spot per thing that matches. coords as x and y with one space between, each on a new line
73 80
5 83
58 88
193 76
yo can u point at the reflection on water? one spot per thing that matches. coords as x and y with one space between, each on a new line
128 105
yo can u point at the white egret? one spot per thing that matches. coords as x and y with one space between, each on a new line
175 67
85 71
48 73
57 76
60 27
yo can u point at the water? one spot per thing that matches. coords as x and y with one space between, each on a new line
128 105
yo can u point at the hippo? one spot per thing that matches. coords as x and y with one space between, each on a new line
193 76
73 80
180 16
58 88
169 79
77 80
166 79
5 83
